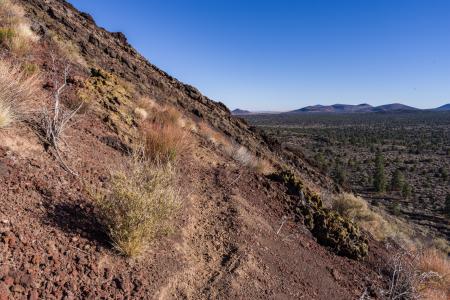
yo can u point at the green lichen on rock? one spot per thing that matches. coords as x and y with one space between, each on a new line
330 229
111 99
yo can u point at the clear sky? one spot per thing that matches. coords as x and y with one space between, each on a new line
282 55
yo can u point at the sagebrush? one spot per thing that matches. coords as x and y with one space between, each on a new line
138 205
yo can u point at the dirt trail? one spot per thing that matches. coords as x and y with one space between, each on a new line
209 242
231 247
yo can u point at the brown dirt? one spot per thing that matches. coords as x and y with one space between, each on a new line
226 243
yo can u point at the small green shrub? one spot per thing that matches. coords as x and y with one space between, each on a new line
397 180
379 179
330 228
6 36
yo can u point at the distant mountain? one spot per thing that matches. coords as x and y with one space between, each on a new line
336 108
238 112
445 107
395 107
360 108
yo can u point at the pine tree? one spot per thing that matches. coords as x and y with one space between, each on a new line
379 180
397 180
340 174
406 190
447 205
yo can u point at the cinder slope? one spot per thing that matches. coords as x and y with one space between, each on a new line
233 238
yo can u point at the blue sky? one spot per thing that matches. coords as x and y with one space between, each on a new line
282 55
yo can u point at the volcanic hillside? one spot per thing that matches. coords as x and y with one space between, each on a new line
117 181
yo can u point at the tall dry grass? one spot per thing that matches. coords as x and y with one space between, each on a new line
141 200
164 142
161 130
356 209
436 263
415 274
17 90
15 32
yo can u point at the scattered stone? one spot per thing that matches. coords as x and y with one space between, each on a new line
8 281
3 291
336 274
26 280
33 295
18 289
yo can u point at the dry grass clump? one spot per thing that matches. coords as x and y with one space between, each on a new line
141 113
211 135
139 205
16 92
157 113
148 104
6 116
164 142
169 115
68 50
161 130
15 32
243 156
263 166
357 210
434 262
441 244
246 158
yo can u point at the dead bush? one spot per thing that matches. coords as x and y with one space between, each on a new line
418 275
17 90
56 118
141 200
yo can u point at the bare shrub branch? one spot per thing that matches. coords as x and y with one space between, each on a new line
55 120
407 280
